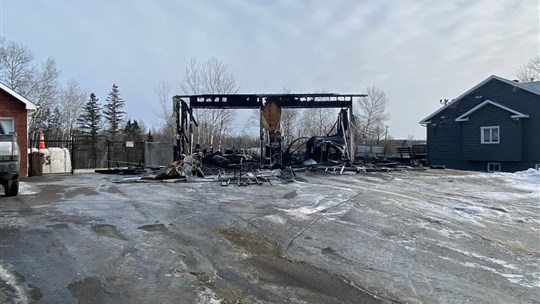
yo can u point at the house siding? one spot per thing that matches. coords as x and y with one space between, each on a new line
457 144
444 138
509 146
531 135
505 166
14 108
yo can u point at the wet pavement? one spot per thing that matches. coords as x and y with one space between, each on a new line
438 236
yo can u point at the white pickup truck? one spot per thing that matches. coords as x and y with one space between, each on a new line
9 163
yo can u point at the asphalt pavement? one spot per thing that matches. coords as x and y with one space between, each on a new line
437 236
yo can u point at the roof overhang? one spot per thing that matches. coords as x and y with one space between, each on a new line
29 106
515 114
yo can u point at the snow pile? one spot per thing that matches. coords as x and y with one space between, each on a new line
532 174
528 180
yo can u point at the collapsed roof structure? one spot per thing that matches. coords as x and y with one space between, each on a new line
270 106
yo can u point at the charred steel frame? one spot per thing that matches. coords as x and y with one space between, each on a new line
185 120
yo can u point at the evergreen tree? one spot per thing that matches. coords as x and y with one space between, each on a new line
137 131
113 111
133 131
128 130
149 137
52 125
89 123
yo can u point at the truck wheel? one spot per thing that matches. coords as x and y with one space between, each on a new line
12 187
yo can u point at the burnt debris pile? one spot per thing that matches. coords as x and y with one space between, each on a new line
275 159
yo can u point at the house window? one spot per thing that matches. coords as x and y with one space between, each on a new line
537 166
7 124
489 135
493 167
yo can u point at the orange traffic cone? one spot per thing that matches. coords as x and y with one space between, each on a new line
41 144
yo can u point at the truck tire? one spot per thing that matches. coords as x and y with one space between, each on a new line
11 188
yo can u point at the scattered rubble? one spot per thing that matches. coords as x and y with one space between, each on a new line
331 153
198 167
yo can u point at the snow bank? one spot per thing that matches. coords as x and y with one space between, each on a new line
528 180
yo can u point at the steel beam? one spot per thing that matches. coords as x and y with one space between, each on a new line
255 101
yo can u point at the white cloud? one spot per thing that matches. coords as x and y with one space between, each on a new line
416 51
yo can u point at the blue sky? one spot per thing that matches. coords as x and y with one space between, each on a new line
416 51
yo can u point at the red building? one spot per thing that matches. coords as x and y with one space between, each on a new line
14 111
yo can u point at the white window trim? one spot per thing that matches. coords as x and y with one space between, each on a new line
482 139
537 166
489 164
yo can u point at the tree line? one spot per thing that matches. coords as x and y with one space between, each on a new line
70 110
63 111
215 125
67 110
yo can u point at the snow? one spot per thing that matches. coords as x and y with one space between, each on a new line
485 222
207 296
275 218
320 202
435 236
27 189
6 277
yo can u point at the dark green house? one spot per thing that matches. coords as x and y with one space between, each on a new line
495 126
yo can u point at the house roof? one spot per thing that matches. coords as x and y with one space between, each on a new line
29 105
465 116
533 87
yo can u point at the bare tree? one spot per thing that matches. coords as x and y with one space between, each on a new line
529 71
290 119
316 121
16 66
165 114
210 77
289 123
38 84
53 124
371 116
72 100
43 91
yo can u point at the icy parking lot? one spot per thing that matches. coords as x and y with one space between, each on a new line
435 236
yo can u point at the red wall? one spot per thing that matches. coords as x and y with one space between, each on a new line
14 108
